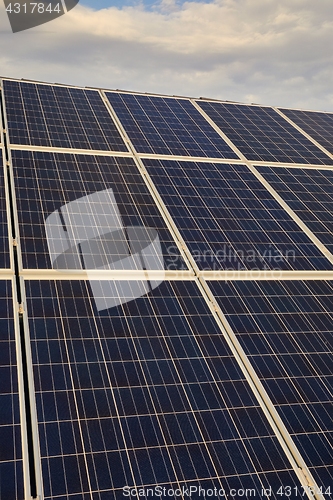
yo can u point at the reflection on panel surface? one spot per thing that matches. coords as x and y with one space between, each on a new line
11 468
260 133
143 394
317 125
88 212
229 220
168 127
4 247
55 116
285 329
309 193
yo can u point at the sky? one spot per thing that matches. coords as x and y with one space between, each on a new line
275 52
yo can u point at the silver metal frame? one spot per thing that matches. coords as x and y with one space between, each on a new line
9 270
22 310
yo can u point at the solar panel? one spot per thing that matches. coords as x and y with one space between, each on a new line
134 382
168 127
58 116
11 465
318 125
88 212
229 220
4 246
309 193
261 134
143 395
285 329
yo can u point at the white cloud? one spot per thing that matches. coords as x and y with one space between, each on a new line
245 50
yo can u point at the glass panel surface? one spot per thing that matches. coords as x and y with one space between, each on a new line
88 212
317 125
285 328
168 127
11 465
309 193
260 133
144 394
229 220
57 116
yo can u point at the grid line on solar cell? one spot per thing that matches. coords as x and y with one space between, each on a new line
11 464
4 243
167 126
47 182
229 220
317 125
151 411
55 116
285 329
309 193
261 134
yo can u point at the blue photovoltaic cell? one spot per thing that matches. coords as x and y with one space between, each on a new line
4 247
309 193
168 127
261 134
11 467
317 125
143 394
229 220
101 203
57 116
285 328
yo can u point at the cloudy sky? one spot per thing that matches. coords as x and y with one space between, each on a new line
276 52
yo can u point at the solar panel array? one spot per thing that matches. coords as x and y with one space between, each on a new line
165 327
